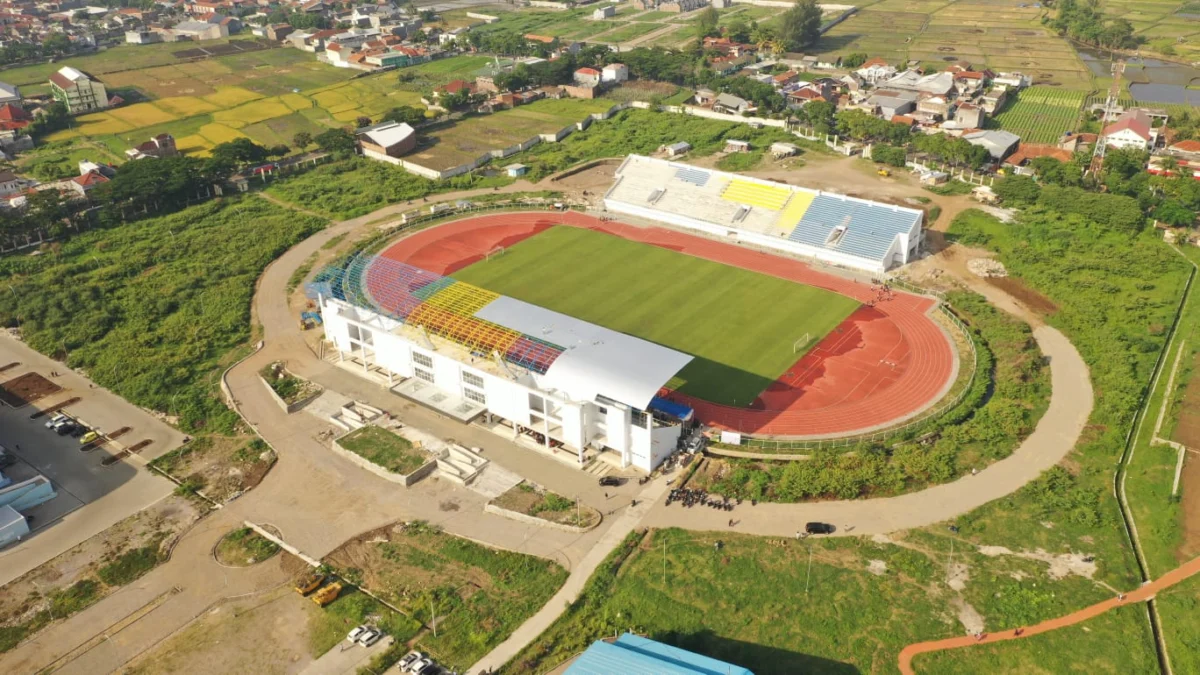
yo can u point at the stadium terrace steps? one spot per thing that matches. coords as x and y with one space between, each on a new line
755 194
696 177
795 210
869 232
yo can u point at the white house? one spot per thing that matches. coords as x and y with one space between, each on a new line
876 70
614 72
601 13
587 77
1131 130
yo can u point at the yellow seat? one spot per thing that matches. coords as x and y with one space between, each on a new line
795 210
754 194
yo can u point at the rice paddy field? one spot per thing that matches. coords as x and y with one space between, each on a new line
998 34
1163 23
605 279
268 96
1042 114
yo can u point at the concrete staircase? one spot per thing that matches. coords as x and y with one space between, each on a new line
459 464
494 481
354 415
599 468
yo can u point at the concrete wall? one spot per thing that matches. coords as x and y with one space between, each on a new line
290 408
534 520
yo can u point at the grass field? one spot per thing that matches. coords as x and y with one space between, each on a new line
740 325
1042 114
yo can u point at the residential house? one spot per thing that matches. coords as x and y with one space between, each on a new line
932 108
969 116
13 117
1074 142
1189 149
454 87
705 96
199 30
87 182
876 70
993 100
9 93
785 78
588 77
162 145
1020 159
78 91
724 65
733 105
1011 80
999 144
938 84
888 103
798 98
143 37
614 72
732 145
1131 130
10 183
388 139
969 82
278 31
606 12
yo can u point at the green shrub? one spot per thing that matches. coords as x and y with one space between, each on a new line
129 566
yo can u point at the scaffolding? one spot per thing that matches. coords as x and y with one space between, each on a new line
440 305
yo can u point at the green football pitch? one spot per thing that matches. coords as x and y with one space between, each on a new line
740 326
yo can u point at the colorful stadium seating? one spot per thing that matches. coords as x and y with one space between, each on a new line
795 209
755 194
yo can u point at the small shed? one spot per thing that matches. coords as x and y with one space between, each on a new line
516 170
677 149
779 150
732 145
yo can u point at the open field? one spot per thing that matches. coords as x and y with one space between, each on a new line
675 300
1162 23
1042 114
462 141
480 595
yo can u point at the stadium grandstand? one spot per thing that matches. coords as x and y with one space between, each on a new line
833 228
552 379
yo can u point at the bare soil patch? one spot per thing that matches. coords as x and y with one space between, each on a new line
264 634
1189 487
21 391
1187 425
1026 295
222 467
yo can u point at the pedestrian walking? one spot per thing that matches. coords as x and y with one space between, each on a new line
606 495
731 522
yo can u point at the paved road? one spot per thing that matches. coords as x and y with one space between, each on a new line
1140 594
345 658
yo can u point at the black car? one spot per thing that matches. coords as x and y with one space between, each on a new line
818 528
610 481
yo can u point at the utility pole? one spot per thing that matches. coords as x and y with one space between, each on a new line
432 615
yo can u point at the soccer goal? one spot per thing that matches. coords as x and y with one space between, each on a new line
801 343
498 251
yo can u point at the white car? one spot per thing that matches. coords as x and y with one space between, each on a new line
419 665
58 418
369 637
356 633
409 659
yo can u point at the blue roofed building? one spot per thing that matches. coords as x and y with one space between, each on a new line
635 655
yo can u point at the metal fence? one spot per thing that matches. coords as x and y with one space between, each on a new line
925 419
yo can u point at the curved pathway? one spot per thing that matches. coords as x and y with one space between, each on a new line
1142 593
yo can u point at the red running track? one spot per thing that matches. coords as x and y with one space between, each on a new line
882 364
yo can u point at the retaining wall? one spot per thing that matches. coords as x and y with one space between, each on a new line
534 520
401 479
290 408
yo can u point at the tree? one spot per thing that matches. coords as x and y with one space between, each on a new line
406 114
738 30
800 26
302 140
337 141
238 152
277 150
56 43
1017 190
706 23
1175 214
854 60
362 121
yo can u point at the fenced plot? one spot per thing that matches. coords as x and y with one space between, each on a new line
1042 114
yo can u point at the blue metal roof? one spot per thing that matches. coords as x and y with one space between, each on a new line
634 655
870 228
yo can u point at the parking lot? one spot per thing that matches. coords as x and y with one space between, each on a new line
96 488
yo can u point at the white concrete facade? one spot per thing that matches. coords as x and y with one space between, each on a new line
507 392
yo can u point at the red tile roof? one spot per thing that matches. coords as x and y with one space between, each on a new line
1187 146
1028 151
877 61
12 112
588 71
62 81
90 179
1134 120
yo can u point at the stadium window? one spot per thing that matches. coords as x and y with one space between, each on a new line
638 418
536 403
472 379
422 359
352 331
476 396
423 374
602 410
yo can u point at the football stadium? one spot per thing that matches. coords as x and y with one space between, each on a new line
831 228
581 336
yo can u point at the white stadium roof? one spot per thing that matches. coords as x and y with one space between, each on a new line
597 360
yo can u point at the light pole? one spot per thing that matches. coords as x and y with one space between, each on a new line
808 573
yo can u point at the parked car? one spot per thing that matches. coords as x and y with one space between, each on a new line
89 437
419 665
610 481
67 427
369 637
431 669
409 659
356 633
6 458
56 419
818 528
